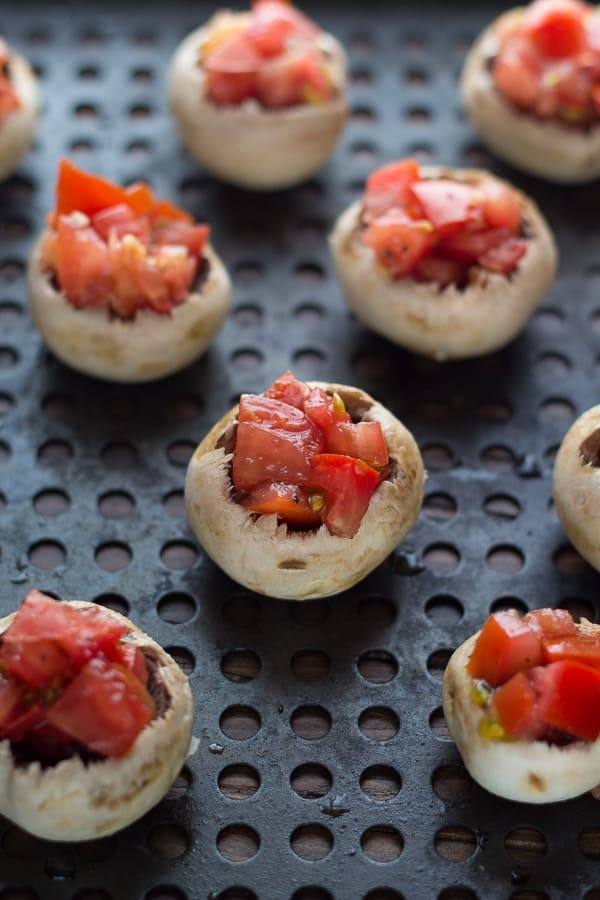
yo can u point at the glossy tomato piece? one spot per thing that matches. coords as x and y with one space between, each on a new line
505 256
445 203
506 645
38 663
79 191
501 206
183 234
231 69
104 708
440 270
120 220
517 72
516 705
469 246
289 502
399 243
269 32
349 485
274 442
10 700
363 440
325 410
387 188
551 623
294 78
265 11
82 263
131 657
569 693
22 722
288 389
556 27
580 648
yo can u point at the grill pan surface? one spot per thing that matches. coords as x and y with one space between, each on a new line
324 768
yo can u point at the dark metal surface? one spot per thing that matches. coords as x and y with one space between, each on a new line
488 429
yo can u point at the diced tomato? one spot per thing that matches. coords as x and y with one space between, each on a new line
297 77
551 623
506 645
516 704
570 700
139 198
399 242
163 212
231 70
288 389
445 203
10 700
79 191
556 27
131 657
265 11
516 72
469 246
120 220
325 410
83 268
387 188
363 440
104 708
193 237
501 205
581 648
349 485
22 722
441 270
504 257
38 663
264 452
289 502
269 34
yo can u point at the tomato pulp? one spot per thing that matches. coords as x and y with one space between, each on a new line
70 682
541 675
548 61
270 55
435 229
299 455
120 249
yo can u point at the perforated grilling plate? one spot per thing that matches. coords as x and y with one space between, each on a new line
324 768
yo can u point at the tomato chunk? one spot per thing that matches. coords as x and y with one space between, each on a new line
505 646
387 188
556 27
79 191
349 485
288 389
104 708
445 203
364 440
516 705
399 242
289 502
581 648
325 410
571 698
551 623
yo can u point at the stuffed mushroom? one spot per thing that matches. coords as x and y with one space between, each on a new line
259 97
449 263
577 485
122 285
531 87
19 108
95 719
520 700
301 491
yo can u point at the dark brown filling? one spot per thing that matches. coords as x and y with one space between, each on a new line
589 450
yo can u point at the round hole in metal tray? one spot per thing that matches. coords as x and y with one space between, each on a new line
379 723
455 843
240 723
579 607
168 841
176 555
441 559
459 893
310 665
237 893
505 558
113 556
311 841
380 782
438 724
444 610
310 722
181 786
47 555
439 506
310 613
176 607
239 781
377 666
184 659
174 504
502 603
382 843
588 842
502 506
51 502
311 892
116 504
113 601
311 781
240 665
451 783
166 892
525 845
238 843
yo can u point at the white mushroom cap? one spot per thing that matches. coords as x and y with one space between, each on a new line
528 771
73 801
263 555
546 148
577 485
148 346
249 145
18 128
451 323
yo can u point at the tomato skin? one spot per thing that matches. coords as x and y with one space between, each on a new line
582 648
398 242
556 27
469 247
551 623
10 700
321 408
363 440
349 485
445 203
501 206
264 453
515 703
83 268
36 663
504 647
79 191
120 220
571 698
288 389
503 258
288 501
387 188
102 709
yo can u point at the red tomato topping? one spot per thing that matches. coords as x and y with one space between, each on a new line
299 455
120 248
67 677
9 99
546 674
549 64
505 645
433 229
272 57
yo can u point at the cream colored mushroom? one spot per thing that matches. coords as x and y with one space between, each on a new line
527 771
267 557
18 128
577 485
77 801
542 147
249 145
149 345
451 322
